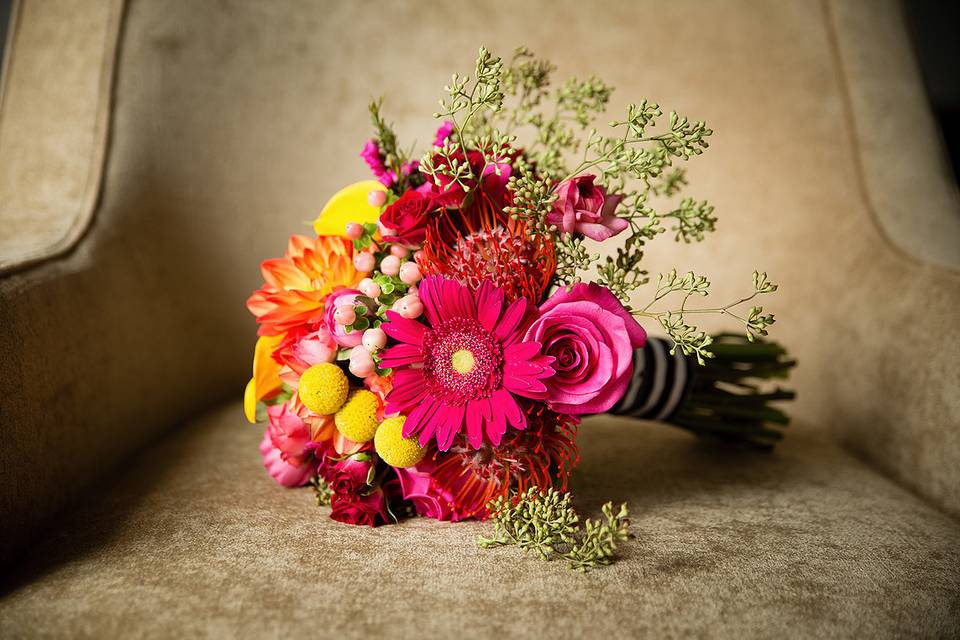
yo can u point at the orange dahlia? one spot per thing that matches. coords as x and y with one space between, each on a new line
298 283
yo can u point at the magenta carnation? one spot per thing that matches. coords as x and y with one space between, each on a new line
464 367
592 339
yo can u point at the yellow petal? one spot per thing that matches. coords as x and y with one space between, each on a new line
266 373
348 205
250 401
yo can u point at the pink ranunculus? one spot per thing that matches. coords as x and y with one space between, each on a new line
286 474
585 208
418 488
592 338
340 335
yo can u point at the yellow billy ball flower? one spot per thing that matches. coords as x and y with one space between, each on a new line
357 418
323 388
393 448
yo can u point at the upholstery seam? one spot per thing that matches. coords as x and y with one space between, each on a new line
853 138
97 160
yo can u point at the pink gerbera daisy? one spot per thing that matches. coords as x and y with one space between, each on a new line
465 365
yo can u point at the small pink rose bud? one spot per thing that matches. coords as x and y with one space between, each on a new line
374 339
390 265
364 261
344 314
399 250
410 273
369 288
354 230
376 198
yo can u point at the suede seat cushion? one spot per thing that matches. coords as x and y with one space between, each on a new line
196 540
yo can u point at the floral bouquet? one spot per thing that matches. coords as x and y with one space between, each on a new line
432 350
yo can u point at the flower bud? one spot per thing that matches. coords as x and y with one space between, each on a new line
390 265
344 315
374 339
364 261
376 198
410 273
369 288
354 230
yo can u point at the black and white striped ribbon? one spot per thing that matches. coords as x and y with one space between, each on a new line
659 385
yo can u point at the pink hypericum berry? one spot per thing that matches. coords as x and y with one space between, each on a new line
364 261
361 362
418 257
374 339
344 314
390 265
376 198
369 288
399 250
409 306
410 273
354 230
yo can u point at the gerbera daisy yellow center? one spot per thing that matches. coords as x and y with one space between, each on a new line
463 361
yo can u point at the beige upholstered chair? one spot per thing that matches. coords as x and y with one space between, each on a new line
153 152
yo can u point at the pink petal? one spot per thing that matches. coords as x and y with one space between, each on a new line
403 329
475 423
511 319
402 354
489 304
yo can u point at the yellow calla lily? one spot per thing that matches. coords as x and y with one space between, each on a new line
350 204
266 375
250 401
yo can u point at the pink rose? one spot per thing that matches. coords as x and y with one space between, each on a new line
340 335
348 477
417 487
585 208
592 338
285 473
369 509
405 221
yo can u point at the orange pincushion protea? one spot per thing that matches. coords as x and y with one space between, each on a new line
480 242
298 283
542 455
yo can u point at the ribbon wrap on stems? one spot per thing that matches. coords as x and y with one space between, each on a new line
728 398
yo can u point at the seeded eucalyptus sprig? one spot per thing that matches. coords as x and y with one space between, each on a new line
503 108
686 337
545 522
